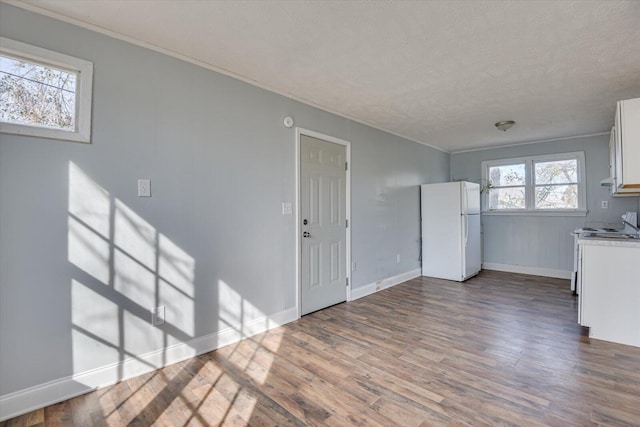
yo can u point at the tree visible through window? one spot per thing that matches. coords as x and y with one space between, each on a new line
43 93
37 95
540 183
556 184
507 187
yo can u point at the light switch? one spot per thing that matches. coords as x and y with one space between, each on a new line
144 188
286 208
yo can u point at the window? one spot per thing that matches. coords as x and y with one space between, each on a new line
507 186
44 93
552 184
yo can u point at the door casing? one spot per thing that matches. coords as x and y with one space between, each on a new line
298 234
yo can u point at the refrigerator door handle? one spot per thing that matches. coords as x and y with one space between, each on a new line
466 230
465 200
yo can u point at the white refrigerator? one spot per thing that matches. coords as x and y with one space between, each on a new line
450 214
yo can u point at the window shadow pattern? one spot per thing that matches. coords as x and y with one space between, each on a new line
124 268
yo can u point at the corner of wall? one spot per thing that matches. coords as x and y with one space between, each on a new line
380 285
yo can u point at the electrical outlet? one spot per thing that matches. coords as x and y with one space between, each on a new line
353 265
397 258
157 316
144 188
604 204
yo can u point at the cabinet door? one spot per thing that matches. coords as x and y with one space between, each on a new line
610 297
618 145
612 162
580 288
628 144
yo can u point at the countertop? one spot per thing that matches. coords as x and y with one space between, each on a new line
603 241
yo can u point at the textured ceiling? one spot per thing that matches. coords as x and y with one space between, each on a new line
438 72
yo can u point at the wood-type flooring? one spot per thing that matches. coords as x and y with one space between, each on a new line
498 349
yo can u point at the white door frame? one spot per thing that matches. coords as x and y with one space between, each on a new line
347 144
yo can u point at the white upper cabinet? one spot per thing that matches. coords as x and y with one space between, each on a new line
613 161
625 148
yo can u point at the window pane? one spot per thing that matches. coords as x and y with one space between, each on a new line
557 197
37 95
557 172
507 175
506 198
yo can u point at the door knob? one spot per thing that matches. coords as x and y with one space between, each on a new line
306 234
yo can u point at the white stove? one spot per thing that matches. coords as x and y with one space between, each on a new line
629 231
602 232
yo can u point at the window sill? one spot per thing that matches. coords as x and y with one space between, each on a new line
536 213
48 133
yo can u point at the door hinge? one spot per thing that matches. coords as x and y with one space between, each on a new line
347 281
346 166
346 223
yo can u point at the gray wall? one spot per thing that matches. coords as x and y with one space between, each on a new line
83 259
543 241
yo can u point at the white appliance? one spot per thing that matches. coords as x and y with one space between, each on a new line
450 214
630 231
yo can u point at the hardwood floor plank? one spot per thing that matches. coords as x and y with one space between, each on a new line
498 349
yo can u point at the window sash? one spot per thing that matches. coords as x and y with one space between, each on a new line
536 162
84 83
540 206
502 164
531 186
509 209
552 185
43 86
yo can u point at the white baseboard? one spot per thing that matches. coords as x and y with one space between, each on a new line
372 288
23 401
536 271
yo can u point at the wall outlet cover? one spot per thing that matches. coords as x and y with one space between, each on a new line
157 316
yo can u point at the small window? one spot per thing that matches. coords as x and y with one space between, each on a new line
508 189
43 93
556 184
551 184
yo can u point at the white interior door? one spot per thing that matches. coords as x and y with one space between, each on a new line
322 224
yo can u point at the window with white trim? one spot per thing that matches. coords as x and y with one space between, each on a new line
43 93
551 183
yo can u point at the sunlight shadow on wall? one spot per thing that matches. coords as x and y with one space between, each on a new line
176 272
89 225
236 310
130 269
233 316
135 254
125 267
99 329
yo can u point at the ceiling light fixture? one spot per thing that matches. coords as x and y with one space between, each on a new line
505 125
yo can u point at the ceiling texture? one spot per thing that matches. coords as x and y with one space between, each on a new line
437 72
